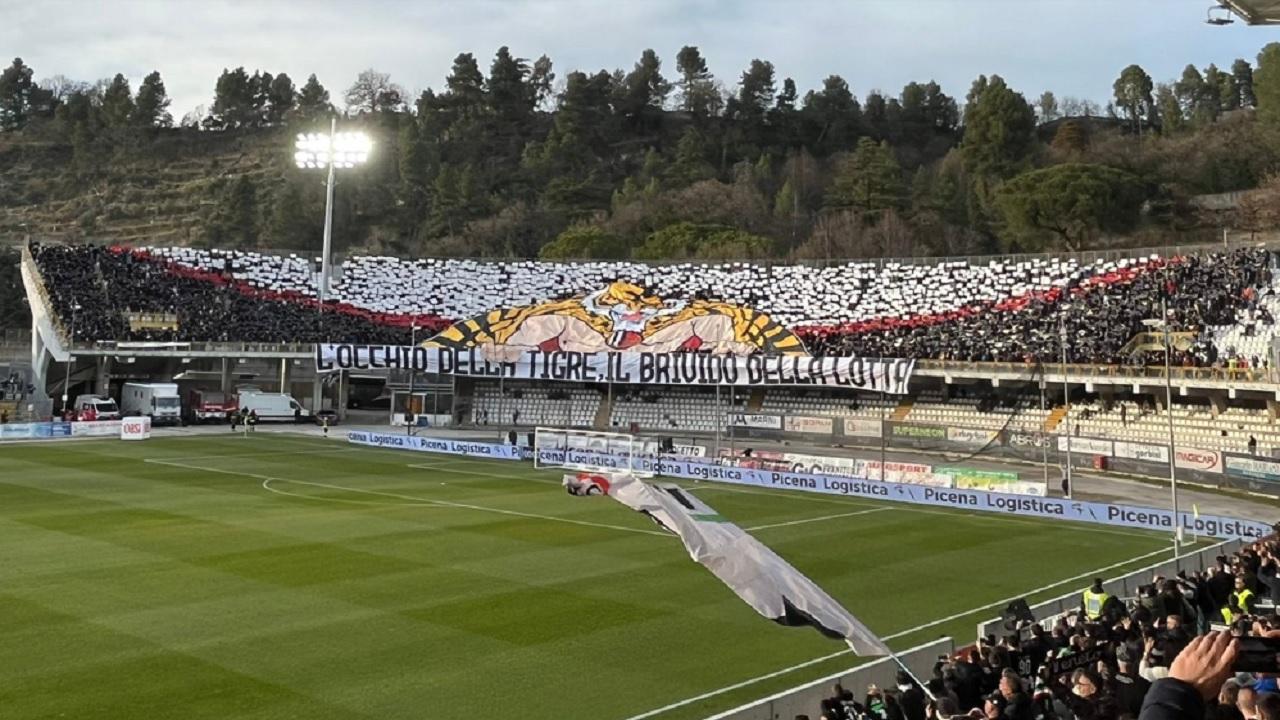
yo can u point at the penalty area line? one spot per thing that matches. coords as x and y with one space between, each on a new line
807 663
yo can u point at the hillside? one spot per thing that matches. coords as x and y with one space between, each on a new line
633 164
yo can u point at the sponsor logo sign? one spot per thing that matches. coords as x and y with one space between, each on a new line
970 436
1142 518
803 424
1253 468
435 445
1139 451
1196 459
759 422
102 428
135 428
935 432
1088 446
1022 439
689 450
640 368
861 427
842 466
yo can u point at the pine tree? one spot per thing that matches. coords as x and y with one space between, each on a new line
117 102
151 108
15 95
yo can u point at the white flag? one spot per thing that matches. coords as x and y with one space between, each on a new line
765 581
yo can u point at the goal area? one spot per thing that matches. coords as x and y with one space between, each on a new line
589 451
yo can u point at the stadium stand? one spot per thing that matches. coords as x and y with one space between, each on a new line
998 311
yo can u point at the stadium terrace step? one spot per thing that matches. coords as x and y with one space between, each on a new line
756 402
603 412
903 410
1055 417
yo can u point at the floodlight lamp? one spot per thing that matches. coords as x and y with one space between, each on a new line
1223 19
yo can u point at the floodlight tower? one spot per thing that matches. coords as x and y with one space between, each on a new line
332 151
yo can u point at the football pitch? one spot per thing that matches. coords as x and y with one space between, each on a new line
280 576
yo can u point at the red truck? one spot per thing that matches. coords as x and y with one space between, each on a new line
205 406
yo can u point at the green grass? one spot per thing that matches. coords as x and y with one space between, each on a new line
282 577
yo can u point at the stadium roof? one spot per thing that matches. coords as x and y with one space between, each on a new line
1255 12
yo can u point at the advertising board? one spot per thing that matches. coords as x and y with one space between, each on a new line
803 424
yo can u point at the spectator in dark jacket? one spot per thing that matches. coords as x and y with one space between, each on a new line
910 697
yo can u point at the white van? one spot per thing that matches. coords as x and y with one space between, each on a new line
158 401
272 407
104 408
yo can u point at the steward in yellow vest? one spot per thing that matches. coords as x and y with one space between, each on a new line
1241 602
1094 601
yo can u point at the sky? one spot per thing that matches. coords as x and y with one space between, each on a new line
1072 47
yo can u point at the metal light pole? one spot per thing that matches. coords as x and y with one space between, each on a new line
332 151
1163 324
71 341
884 402
413 341
1044 442
1066 401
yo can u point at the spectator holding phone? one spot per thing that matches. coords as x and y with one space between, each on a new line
1195 677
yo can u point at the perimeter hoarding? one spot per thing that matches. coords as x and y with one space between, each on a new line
1130 516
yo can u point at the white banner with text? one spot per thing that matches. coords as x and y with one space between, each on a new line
881 375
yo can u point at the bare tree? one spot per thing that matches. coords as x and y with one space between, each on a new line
374 92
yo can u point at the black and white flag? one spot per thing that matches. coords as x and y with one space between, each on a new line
759 576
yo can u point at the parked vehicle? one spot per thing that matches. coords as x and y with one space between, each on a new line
272 407
158 401
207 406
97 407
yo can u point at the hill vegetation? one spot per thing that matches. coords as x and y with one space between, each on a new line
652 162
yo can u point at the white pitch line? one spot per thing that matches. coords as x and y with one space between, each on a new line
411 498
838 653
818 519
256 454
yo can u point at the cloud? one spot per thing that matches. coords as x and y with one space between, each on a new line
1073 47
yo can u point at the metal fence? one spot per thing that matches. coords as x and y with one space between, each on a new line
1124 586
806 699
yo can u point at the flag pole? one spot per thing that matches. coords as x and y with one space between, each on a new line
894 656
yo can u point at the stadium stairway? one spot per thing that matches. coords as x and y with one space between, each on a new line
604 411
1055 417
755 403
901 412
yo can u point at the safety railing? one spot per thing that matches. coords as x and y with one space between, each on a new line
1078 372
807 699
1124 586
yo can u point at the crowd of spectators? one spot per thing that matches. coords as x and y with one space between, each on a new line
1007 312
1153 657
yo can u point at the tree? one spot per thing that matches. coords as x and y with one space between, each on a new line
703 241
233 222
584 242
1210 106
1169 110
151 108
755 91
831 117
540 79
117 102
1071 138
313 100
465 83
690 164
999 131
15 95
1132 92
374 92
1048 107
698 95
1266 85
1069 203
869 179
645 91
509 96
1242 73
282 98
233 102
